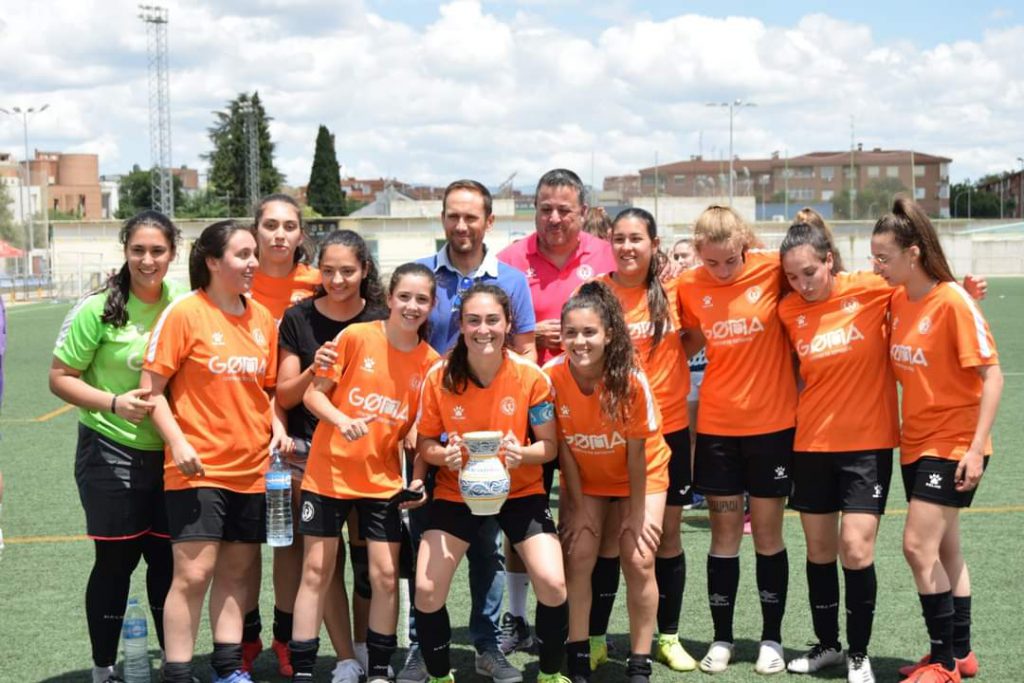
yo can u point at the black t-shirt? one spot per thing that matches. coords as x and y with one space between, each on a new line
303 330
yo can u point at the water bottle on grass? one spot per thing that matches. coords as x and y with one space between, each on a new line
279 502
134 638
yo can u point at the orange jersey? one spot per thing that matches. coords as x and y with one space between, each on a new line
519 389
278 293
667 370
749 385
372 378
598 444
219 368
848 402
937 345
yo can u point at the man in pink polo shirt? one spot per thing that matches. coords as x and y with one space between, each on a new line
559 256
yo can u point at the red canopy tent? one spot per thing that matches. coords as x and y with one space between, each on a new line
8 251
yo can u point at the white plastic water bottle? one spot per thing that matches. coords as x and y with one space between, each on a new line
279 502
134 638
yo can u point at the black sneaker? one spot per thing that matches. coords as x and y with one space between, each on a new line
638 669
514 635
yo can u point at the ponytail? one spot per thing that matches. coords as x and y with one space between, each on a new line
910 227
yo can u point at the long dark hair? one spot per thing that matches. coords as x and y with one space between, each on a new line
910 227
657 300
457 372
809 234
413 269
211 244
619 356
370 289
302 250
811 217
119 285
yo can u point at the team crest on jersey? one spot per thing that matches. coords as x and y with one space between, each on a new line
257 336
414 382
850 305
368 364
585 271
801 321
753 294
458 413
508 406
135 362
924 325
217 339
706 302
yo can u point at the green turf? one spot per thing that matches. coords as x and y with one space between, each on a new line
42 624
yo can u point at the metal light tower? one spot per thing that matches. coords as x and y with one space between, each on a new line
26 184
155 18
252 155
732 105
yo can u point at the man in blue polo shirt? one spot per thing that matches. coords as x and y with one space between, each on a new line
463 261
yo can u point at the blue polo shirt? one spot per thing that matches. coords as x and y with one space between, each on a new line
451 284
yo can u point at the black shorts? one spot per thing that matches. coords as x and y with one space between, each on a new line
213 514
758 464
325 516
121 488
847 481
549 469
680 481
934 480
519 518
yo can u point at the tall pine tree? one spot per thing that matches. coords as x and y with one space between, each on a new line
324 194
228 161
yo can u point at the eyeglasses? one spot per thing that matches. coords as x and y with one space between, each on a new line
464 284
883 259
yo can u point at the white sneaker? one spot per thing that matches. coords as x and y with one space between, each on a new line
858 670
414 670
347 671
769 658
818 657
717 659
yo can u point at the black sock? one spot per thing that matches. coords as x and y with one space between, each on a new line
961 626
176 672
577 655
303 657
670 573
379 649
106 595
772 585
283 625
551 626
638 668
435 632
823 592
226 658
723 581
938 617
159 571
861 589
604 584
252 626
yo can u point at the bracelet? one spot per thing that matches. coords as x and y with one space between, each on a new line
113 405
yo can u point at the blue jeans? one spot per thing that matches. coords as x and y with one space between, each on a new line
486 578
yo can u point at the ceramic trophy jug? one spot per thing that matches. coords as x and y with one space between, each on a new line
483 481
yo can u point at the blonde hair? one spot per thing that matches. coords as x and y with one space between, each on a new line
719 224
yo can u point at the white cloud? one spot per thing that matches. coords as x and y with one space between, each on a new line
471 93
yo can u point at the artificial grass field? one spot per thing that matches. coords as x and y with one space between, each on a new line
46 563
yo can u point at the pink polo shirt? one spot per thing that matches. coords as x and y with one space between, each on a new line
551 287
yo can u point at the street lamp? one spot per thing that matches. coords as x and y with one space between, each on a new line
16 111
732 105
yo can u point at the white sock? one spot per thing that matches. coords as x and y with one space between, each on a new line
518 584
101 673
361 655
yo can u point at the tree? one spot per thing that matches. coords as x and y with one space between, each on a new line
9 231
324 193
229 158
135 193
872 201
203 204
966 195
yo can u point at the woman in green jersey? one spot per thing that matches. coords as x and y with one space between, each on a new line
119 460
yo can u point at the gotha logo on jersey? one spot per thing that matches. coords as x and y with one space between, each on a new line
378 403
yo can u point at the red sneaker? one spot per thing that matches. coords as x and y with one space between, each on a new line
284 658
251 649
933 673
967 667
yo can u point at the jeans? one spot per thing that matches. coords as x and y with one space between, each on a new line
486 578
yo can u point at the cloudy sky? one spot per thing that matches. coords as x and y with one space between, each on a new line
428 92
